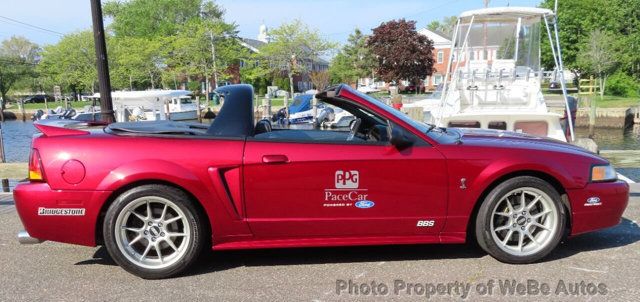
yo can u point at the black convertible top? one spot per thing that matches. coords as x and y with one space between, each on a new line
236 115
234 120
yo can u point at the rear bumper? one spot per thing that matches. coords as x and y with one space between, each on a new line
586 217
58 215
25 238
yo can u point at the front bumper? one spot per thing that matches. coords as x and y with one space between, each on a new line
58 215
587 217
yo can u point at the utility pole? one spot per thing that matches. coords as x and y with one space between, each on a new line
106 107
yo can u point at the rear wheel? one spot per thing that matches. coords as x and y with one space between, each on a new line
154 231
521 220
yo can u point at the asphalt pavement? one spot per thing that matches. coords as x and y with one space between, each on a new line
592 267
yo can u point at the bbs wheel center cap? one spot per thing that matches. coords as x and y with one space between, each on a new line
155 231
521 220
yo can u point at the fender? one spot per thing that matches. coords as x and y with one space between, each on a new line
466 199
222 224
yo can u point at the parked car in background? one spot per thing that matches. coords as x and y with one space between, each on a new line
39 98
412 88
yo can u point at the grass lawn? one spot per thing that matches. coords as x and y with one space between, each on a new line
617 102
51 105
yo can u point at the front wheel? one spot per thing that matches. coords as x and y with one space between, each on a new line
521 220
153 231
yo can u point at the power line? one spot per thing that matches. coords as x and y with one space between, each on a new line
32 26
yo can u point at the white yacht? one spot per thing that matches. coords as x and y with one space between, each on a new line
151 105
494 74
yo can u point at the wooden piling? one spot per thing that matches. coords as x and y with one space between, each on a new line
22 111
198 110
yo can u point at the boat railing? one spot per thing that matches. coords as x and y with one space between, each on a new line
518 87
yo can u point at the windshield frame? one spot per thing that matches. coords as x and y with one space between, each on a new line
428 132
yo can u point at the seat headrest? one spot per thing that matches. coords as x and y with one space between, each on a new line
263 126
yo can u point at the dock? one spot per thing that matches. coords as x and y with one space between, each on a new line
13 170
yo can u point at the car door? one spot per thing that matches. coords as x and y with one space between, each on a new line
339 189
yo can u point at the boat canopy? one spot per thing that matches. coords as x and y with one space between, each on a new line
498 14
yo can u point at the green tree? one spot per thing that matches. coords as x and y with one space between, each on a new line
354 60
446 26
196 44
598 57
71 63
18 56
151 18
137 62
293 47
577 19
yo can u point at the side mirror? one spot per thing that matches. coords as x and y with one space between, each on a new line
399 139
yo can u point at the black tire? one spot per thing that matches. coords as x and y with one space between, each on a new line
483 231
192 247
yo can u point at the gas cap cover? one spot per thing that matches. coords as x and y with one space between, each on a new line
73 172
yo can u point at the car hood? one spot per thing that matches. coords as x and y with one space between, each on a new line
510 139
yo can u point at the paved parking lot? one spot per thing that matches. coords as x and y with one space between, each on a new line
597 266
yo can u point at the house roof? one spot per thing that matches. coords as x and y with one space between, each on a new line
439 39
253 44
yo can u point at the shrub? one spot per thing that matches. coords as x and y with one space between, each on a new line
282 83
621 84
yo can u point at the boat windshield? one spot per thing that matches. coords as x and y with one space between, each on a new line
499 44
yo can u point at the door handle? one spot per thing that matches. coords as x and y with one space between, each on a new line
275 159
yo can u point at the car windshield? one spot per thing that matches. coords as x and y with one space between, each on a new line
399 114
441 135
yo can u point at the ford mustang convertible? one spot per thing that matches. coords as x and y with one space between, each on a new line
156 194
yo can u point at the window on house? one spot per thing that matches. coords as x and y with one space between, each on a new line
437 79
440 56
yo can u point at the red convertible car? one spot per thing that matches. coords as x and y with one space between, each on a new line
157 193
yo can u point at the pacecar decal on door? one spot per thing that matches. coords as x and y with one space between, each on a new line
347 191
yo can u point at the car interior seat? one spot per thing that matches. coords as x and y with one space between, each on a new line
263 126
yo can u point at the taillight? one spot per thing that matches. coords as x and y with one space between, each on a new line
36 172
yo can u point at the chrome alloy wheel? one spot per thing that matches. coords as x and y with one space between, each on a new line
524 221
152 232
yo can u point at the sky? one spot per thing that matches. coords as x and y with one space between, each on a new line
334 19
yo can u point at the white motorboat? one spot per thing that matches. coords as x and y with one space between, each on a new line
181 108
153 105
494 74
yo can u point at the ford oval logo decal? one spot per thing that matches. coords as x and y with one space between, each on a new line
593 201
365 204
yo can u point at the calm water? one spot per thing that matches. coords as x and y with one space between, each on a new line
17 139
612 139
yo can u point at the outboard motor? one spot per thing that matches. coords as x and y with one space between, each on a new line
573 106
209 114
69 113
38 115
